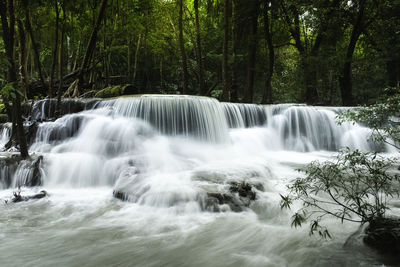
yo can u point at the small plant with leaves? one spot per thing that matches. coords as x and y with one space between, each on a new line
355 187
383 118
8 90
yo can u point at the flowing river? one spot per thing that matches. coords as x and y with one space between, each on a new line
164 155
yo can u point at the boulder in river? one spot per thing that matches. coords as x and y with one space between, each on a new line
383 234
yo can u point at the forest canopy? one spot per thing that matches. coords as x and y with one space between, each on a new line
330 52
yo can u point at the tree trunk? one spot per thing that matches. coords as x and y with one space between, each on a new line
61 63
129 60
267 96
136 59
234 86
393 70
54 59
346 85
22 57
251 53
310 79
202 86
225 72
182 49
76 86
36 55
105 55
8 38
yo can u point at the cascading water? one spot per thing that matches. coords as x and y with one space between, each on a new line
170 157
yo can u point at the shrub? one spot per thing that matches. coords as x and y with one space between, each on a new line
355 187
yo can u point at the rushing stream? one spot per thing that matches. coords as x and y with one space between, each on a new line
165 154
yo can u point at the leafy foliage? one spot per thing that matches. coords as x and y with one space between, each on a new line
382 117
8 90
355 187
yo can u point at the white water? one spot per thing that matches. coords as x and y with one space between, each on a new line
165 153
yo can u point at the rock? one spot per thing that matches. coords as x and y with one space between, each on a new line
8 166
18 198
36 178
383 234
214 200
244 189
3 118
28 170
117 90
45 109
30 129
120 195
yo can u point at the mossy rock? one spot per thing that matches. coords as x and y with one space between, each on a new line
3 118
115 91
109 92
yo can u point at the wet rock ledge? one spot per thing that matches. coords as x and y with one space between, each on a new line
383 234
27 170
238 197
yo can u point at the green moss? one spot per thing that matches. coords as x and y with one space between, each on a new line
3 118
109 92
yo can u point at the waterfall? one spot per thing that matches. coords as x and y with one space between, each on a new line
201 117
158 138
180 164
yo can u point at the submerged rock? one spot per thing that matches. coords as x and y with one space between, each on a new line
383 234
239 197
244 190
19 198
215 201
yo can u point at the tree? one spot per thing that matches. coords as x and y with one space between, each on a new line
77 85
359 25
225 73
54 59
251 50
185 74
202 86
355 186
10 91
234 85
35 48
308 43
268 25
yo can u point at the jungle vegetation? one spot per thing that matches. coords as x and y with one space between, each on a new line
330 52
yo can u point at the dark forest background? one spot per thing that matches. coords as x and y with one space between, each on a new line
330 52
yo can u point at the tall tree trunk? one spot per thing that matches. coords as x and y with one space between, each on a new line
310 79
202 86
267 96
136 59
61 63
393 70
76 86
54 59
308 54
234 86
129 60
105 56
346 85
182 49
251 53
22 57
225 72
36 55
9 38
